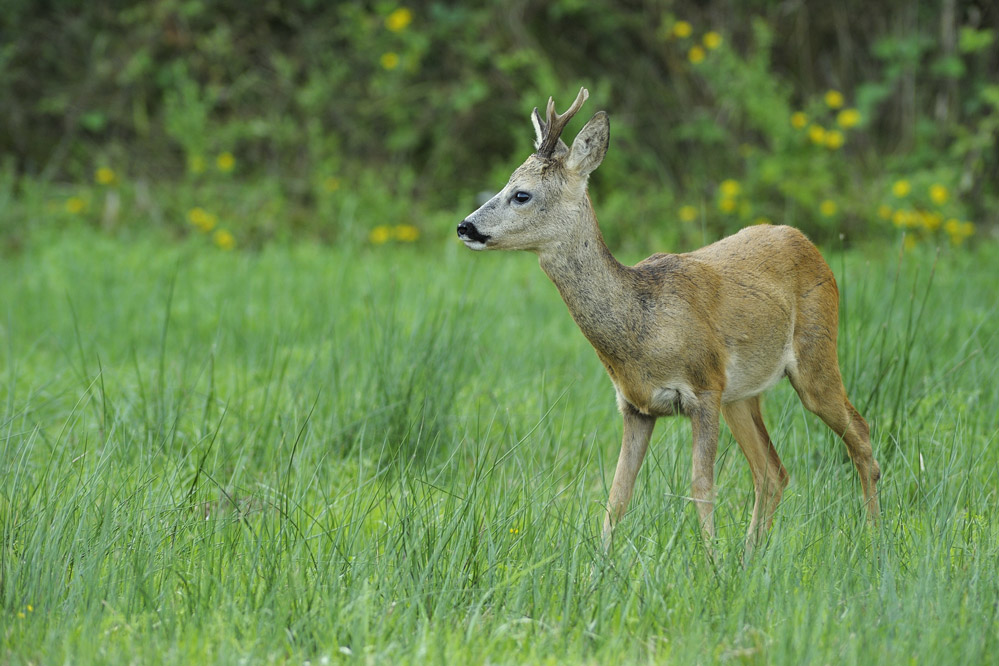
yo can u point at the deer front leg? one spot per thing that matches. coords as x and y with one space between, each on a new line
635 441
705 425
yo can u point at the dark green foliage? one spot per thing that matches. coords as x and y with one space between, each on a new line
430 106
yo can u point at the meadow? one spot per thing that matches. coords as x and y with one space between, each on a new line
400 453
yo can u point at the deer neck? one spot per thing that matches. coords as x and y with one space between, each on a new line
594 285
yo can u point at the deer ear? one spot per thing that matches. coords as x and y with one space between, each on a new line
539 128
590 146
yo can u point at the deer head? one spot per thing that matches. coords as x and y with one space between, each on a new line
540 206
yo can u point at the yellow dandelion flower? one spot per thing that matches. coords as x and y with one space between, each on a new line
900 218
104 176
834 139
224 240
75 205
196 164
834 99
901 188
939 194
681 29
688 213
390 60
848 118
407 233
225 162
958 231
884 212
398 20
712 40
817 134
931 220
799 120
727 205
331 184
380 234
828 208
30 608
730 188
202 219
762 220
695 54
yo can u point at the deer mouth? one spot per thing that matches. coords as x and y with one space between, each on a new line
471 236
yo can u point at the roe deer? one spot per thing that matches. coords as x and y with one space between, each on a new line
699 334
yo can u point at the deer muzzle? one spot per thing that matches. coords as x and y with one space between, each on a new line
470 235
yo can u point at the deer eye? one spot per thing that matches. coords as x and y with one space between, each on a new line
521 197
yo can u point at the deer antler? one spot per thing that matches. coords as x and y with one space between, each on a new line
552 129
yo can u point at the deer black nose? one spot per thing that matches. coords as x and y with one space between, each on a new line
468 232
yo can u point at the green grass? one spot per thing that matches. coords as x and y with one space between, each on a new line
401 454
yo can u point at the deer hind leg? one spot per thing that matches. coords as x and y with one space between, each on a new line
818 383
745 421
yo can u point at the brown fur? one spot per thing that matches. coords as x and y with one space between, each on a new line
701 333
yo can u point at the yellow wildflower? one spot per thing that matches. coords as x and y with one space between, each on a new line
380 234
939 194
834 139
514 530
884 212
695 54
909 242
225 162
331 184
730 188
727 205
834 99
958 231
407 233
848 118
682 29
817 134
104 176
907 218
762 220
688 213
828 208
224 240
398 20
202 219
75 205
901 188
930 220
390 60
196 164
30 608
798 120
712 40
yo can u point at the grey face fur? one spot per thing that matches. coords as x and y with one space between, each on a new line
539 205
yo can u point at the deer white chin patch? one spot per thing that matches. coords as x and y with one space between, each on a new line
474 244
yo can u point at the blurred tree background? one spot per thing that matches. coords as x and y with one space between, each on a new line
380 121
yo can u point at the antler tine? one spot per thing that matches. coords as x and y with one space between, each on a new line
557 122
